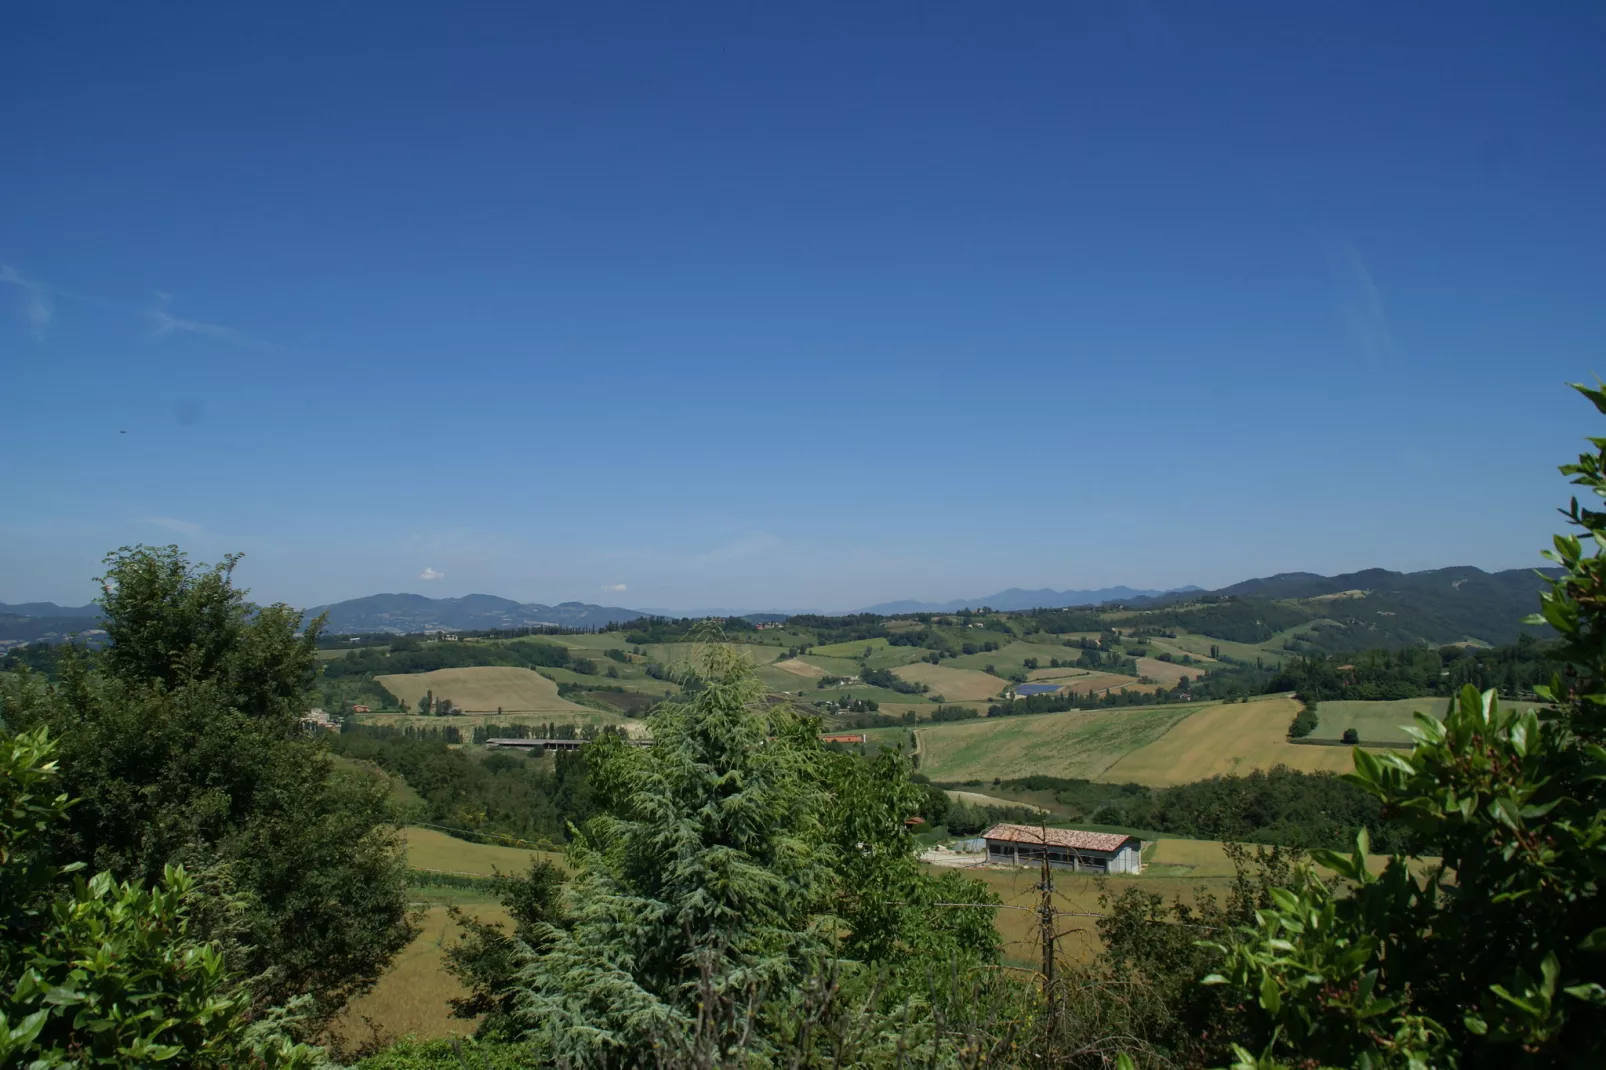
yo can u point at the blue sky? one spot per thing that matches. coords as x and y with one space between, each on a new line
793 305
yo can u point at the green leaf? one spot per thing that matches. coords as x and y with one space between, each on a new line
23 1033
1271 997
1590 993
1595 941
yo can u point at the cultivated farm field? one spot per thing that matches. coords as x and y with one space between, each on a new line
440 852
411 996
961 685
1226 738
483 689
1076 744
1167 673
799 667
1379 722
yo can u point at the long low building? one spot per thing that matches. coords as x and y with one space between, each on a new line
1085 852
555 744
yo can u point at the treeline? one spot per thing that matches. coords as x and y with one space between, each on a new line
1413 672
1283 806
963 818
885 678
502 793
409 655
547 730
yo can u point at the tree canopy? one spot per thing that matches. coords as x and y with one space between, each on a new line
182 744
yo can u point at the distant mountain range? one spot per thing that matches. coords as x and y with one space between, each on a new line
1377 606
1383 608
28 621
1017 598
401 613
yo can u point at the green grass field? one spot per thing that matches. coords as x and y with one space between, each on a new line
1074 744
1374 721
1011 655
853 649
1383 722
439 852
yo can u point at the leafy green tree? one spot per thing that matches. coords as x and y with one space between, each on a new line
183 746
99 973
1487 949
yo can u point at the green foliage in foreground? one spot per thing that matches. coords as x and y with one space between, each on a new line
1497 955
182 745
101 973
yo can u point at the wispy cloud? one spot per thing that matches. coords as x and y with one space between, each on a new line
40 311
616 588
37 306
1365 312
429 575
167 323
183 527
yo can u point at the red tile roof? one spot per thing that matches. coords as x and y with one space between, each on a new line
1072 838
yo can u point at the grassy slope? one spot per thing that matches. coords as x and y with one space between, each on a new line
962 685
434 850
1374 721
1011 656
1233 737
482 689
1075 744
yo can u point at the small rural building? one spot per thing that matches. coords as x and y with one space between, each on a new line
1085 852
845 737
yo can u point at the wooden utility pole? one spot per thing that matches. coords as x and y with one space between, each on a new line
1045 916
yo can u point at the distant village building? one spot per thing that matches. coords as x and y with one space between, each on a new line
845 737
1085 852
317 719
359 708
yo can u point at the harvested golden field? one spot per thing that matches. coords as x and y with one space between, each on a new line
1167 673
960 685
434 850
483 689
799 667
1075 744
411 996
1231 737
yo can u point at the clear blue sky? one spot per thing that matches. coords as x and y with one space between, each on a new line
793 305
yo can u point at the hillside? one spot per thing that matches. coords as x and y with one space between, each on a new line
404 613
1015 598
